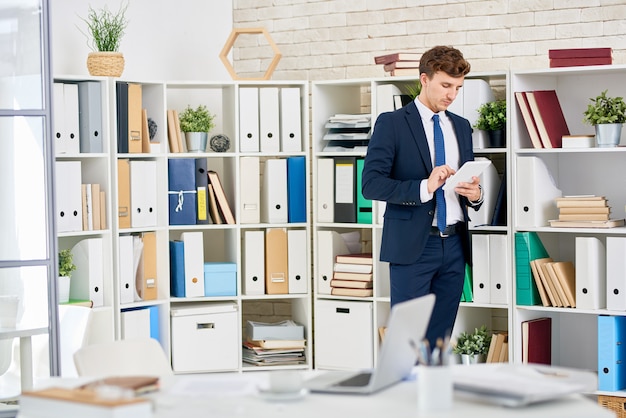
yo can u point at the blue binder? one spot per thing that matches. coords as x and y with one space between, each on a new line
296 189
182 197
363 205
611 353
177 269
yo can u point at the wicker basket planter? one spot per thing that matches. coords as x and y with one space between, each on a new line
107 64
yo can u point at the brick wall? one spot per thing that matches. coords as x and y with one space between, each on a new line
337 39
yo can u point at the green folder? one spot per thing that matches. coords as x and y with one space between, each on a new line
363 205
467 296
528 247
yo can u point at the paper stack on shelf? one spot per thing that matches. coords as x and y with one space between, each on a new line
352 275
584 211
348 132
274 344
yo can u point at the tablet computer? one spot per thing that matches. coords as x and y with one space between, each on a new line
466 172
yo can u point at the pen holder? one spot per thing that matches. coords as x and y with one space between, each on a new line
434 388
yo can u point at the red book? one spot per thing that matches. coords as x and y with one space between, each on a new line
397 56
580 53
578 62
401 64
548 115
537 341
531 126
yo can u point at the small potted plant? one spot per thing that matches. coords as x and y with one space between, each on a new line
196 124
66 267
607 115
105 31
473 347
492 118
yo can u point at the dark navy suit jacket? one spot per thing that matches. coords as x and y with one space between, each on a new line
397 161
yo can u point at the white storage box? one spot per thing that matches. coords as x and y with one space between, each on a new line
205 337
344 335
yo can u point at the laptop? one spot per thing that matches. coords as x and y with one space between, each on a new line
406 328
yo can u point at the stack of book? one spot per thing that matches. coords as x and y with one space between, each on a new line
584 211
274 344
498 348
555 281
575 57
352 275
400 63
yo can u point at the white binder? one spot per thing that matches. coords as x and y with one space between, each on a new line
269 123
480 268
590 269
616 273
325 190
475 93
250 198
135 323
329 245
143 193
290 120
254 263
90 116
194 263
88 278
535 201
385 94
297 261
69 206
498 267
126 270
490 182
249 119
274 191
70 112
58 119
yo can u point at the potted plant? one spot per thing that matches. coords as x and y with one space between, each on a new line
607 115
105 31
196 124
66 267
473 347
492 118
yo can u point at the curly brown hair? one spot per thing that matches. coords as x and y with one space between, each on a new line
444 58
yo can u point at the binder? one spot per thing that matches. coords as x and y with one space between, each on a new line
274 191
87 280
490 182
182 193
202 187
135 323
296 189
481 268
253 263
325 190
250 198
143 193
126 269
528 247
71 123
121 112
155 329
276 269
177 268
134 118
249 119
611 353
58 119
297 261
345 189
590 273
363 205
290 120
123 193
498 268
475 93
269 123
90 116
385 98
147 271
616 273
330 244
69 208
500 206
537 341
468 294
193 256
535 201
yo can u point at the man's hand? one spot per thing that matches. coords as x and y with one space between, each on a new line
469 190
438 177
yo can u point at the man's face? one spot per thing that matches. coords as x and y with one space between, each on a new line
440 91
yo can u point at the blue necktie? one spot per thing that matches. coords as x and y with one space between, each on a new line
440 159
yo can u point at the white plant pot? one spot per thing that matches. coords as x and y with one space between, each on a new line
608 134
196 141
64 289
472 358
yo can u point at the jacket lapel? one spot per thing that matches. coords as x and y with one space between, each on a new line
414 121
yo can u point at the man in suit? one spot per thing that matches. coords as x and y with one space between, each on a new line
425 256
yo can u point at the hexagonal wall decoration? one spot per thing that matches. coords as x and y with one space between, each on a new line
231 41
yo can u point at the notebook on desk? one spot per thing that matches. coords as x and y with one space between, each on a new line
406 328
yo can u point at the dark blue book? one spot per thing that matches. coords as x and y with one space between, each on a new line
296 189
177 269
121 103
182 193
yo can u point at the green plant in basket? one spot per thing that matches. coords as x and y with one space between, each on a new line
106 28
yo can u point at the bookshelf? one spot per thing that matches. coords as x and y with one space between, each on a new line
574 171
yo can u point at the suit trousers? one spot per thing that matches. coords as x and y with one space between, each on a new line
439 270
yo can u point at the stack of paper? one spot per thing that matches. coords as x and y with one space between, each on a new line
274 344
348 132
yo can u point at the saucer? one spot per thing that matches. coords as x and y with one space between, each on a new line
272 396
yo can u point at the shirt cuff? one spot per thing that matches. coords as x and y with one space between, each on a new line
480 199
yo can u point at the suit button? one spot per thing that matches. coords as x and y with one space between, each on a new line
431 212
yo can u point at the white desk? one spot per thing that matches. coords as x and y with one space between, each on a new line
26 350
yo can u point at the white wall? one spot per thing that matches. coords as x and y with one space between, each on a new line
165 40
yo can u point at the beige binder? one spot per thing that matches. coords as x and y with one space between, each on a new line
123 193
134 118
149 264
276 268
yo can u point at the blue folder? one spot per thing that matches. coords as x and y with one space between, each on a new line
363 205
182 199
611 353
177 269
296 189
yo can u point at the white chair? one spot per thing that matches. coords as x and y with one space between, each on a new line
140 356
